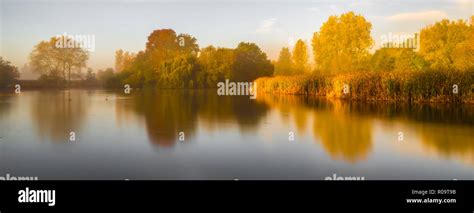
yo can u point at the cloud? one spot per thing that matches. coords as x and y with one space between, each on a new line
464 3
430 15
266 26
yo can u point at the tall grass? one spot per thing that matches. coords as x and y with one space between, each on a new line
425 86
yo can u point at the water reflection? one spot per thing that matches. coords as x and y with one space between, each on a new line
346 131
168 112
345 128
455 142
56 113
343 136
165 113
5 104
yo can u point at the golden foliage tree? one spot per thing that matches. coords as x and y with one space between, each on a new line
342 43
448 45
123 60
300 57
284 65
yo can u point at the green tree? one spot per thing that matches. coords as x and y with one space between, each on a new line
342 43
383 60
8 73
300 57
284 65
409 60
179 72
162 47
216 65
250 63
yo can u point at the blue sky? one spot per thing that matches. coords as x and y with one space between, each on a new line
272 24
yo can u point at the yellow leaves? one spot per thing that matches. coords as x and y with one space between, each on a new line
342 43
284 65
300 56
446 45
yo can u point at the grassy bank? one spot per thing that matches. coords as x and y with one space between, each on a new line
426 86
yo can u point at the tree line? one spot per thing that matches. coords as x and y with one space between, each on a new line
343 44
172 60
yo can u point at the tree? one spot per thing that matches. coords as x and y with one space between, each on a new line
216 65
409 60
397 59
49 59
162 46
250 62
342 43
135 75
123 60
187 44
284 65
179 72
383 60
300 57
90 76
105 75
463 54
8 73
447 45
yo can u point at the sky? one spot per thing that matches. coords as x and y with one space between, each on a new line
271 24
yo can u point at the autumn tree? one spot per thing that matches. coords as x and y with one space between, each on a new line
162 47
187 44
284 64
448 45
49 59
175 61
300 57
123 60
8 73
342 43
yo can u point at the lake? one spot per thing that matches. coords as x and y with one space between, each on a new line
138 136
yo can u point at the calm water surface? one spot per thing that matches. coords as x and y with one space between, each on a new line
136 136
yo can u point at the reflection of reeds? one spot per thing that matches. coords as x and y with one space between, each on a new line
426 86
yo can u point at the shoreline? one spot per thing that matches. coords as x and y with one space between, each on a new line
411 87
